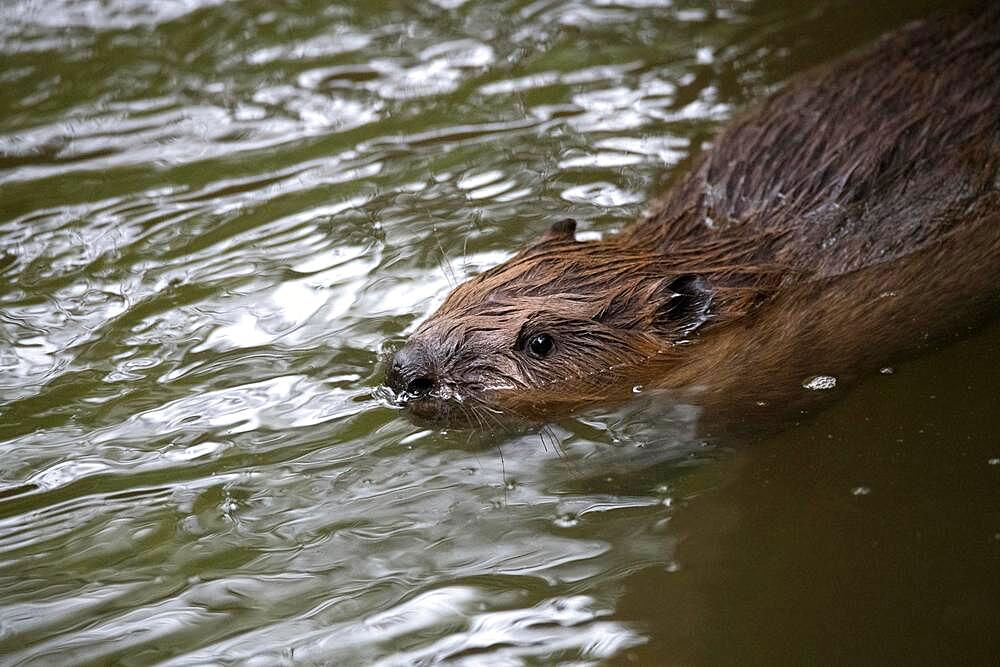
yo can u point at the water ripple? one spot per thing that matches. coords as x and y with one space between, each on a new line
213 214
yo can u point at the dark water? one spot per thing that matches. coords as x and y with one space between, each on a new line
212 215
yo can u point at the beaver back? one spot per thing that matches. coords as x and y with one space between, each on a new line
871 159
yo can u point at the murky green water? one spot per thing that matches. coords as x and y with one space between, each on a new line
212 216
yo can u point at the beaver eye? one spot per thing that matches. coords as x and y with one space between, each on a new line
539 346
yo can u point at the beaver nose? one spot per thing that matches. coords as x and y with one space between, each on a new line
420 386
411 372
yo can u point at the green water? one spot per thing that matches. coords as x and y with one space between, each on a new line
212 217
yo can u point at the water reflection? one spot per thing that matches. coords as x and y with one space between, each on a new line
211 217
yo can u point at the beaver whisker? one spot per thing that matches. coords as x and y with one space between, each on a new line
444 262
472 416
557 447
485 416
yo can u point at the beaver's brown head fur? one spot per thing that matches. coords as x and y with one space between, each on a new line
562 324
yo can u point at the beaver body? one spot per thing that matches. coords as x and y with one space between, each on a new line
852 216
868 160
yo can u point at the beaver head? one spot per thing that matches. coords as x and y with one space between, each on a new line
561 324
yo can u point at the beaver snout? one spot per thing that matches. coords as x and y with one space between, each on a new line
412 372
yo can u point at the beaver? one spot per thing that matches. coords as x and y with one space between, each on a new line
852 216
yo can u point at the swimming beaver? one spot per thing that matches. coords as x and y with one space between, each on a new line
852 216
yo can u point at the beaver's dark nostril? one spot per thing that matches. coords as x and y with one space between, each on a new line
420 386
412 372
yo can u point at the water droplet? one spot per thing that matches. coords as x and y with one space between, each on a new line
673 566
820 382
887 370
861 491
637 389
761 404
567 521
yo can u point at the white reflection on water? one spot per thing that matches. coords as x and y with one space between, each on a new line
471 636
98 15
341 39
601 194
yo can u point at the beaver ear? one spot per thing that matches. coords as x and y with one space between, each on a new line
564 230
683 302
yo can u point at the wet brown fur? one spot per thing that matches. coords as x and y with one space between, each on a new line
867 178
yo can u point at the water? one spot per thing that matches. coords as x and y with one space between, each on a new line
212 217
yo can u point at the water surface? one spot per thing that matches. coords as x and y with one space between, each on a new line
212 217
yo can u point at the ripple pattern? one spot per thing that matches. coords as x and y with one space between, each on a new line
211 217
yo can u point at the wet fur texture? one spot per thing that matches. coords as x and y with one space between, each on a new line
862 171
